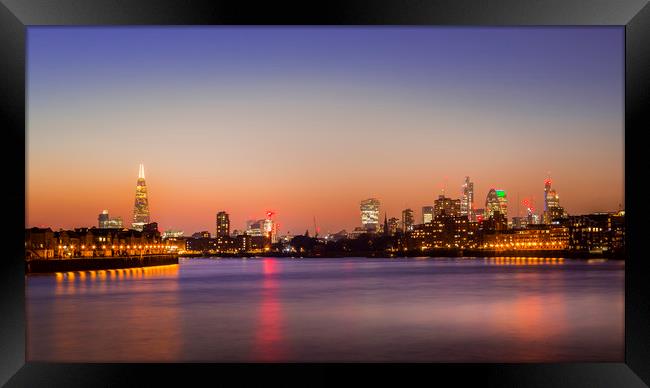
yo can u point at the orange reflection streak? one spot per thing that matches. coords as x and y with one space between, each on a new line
67 283
519 261
153 309
268 338
532 322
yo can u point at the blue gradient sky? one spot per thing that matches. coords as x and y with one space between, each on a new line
309 121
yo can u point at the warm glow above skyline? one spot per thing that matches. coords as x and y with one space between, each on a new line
307 122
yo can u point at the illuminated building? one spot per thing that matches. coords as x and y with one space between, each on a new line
106 222
531 217
141 207
427 214
491 204
358 231
243 242
92 242
553 212
270 228
102 219
519 222
539 237
407 220
341 234
597 233
227 244
255 228
370 214
170 233
257 244
39 243
496 222
202 234
547 189
425 236
446 206
455 231
617 232
223 224
266 228
200 244
443 232
496 201
176 244
479 214
503 202
467 200
393 225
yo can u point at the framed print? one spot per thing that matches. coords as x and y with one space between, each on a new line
396 189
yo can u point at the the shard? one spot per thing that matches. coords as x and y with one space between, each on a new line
141 207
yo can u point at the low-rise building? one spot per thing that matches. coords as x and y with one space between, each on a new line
539 237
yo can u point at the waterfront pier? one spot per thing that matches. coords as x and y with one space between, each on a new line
87 264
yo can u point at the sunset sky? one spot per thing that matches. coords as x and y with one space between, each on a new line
309 121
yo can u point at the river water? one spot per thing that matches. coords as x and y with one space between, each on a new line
332 309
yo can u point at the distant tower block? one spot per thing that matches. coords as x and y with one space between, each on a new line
370 214
467 200
141 207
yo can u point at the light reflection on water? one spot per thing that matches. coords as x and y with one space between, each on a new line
354 309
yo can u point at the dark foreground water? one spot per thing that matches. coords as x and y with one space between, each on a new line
352 309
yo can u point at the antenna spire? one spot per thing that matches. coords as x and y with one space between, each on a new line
141 172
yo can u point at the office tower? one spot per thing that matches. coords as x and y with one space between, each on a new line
370 214
446 206
223 224
496 201
408 220
141 207
547 189
427 214
107 222
255 228
102 219
467 200
270 227
503 202
552 209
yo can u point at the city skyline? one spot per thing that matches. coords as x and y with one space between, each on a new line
252 119
369 215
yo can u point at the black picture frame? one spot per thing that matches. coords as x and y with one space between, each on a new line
17 15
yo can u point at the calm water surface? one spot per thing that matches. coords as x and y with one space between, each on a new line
352 309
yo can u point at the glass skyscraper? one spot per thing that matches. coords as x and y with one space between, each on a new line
467 201
370 214
141 207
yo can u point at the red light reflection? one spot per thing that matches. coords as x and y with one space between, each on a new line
268 338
